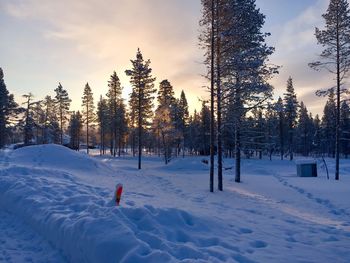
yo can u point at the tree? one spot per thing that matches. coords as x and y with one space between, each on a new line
143 88
204 130
28 119
183 119
165 117
51 125
114 97
345 129
290 109
88 111
279 107
244 67
335 39
63 103
75 125
328 124
8 108
304 130
102 118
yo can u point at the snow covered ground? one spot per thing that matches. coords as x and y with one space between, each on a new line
55 206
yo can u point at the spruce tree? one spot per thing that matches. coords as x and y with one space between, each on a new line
75 125
63 103
279 107
183 118
114 97
290 109
28 119
304 130
328 124
102 118
165 118
345 129
51 126
88 111
143 88
335 38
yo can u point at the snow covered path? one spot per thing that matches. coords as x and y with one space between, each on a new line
167 213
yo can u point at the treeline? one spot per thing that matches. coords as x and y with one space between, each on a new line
281 127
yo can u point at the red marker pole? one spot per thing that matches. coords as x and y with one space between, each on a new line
118 193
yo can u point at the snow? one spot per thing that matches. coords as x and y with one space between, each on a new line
63 202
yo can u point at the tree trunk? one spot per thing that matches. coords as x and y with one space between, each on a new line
218 83
337 133
238 153
140 129
87 129
212 99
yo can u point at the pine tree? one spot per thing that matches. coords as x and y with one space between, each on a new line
88 111
335 39
8 110
290 108
63 103
143 88
244 68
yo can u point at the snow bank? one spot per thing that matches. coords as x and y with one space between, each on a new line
57 157
81 222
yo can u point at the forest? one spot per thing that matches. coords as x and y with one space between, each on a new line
241 116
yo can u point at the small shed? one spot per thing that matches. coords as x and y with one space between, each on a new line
306 168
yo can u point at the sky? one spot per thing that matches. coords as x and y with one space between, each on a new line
44 42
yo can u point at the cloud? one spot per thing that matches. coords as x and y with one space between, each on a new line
104 36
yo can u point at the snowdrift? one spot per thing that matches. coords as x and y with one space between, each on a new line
57 157
80 220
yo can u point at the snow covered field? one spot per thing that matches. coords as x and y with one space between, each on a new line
55 206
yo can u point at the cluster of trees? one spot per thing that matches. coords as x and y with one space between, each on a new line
240 118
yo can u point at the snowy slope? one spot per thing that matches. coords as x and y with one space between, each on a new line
167 213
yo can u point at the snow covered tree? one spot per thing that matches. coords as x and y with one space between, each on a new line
290 110
335 58
8 108
143 90
63 103
88 114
